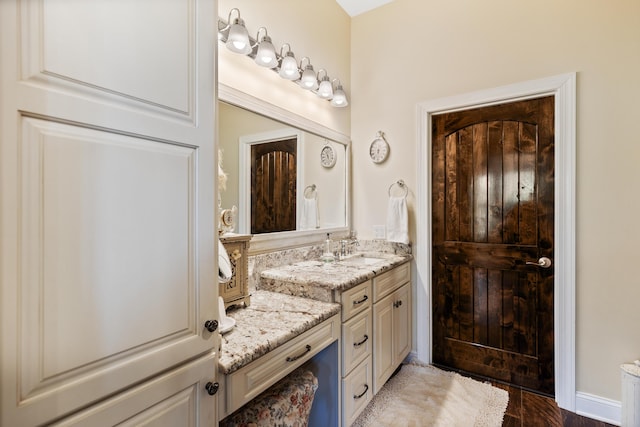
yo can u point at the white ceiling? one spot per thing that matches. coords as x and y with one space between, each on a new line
356 7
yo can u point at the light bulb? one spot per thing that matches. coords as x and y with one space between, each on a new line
339 98
325 91
238 39
266 54
308 80
289 67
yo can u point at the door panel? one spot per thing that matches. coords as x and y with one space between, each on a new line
107 199
493 212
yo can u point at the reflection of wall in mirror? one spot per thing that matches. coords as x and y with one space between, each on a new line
329 182
235 122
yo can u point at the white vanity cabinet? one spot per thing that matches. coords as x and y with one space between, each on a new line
357 346
108 281
391 322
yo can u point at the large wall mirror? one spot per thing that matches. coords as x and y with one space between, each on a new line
287 175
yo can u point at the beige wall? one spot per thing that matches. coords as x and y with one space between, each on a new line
411 51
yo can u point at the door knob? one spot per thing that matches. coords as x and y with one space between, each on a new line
211 325
212 388
543 262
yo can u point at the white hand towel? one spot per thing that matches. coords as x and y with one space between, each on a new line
310 218
397 220
225 272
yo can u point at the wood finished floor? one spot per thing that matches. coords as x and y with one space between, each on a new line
530 409
527 409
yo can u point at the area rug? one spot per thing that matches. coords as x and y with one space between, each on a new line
421 395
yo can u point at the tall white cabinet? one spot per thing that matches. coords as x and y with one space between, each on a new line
107 207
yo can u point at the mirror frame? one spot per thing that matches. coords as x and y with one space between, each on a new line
269 242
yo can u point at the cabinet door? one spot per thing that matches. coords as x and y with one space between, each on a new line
383 353
402 323
392 334
177 398
107 198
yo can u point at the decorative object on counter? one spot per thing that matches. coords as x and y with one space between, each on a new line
236 37
236 290
397 215
287 403
310 218
327 255
379 148
226 323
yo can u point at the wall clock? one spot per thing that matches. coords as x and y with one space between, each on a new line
328 156
379 149
227 220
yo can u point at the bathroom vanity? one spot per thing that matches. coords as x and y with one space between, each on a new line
274 336
374 293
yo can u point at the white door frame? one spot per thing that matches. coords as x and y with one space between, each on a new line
563 87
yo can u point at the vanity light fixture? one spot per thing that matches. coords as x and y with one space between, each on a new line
339 97
236 37
266 53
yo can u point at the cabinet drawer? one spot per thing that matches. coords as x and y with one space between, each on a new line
357 339
249 381
387 282
357 391
355 300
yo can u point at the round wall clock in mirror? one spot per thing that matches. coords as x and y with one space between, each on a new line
328 156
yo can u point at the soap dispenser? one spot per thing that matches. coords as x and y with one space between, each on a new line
328 256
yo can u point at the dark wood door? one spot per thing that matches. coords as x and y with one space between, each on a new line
273 186
493 198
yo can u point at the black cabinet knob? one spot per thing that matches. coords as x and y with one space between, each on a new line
211 325
212 388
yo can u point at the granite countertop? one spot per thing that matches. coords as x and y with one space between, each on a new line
334 276
271 320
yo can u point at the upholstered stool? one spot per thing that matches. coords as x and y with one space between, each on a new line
287 403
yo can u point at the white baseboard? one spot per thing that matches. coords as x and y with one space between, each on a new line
598 408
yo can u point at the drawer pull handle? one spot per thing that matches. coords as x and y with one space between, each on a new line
397 304
292 358
366 389
364 298
358 344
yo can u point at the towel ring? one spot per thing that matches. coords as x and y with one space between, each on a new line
310 190
400 183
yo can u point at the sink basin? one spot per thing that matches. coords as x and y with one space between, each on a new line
362 260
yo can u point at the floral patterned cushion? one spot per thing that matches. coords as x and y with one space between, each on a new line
286 404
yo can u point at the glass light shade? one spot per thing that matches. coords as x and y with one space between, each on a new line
238 39
325 91
308 79
289 67
339 98
266 54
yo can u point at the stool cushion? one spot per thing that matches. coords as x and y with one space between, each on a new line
287 403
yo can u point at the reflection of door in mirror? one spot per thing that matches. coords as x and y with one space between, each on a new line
273 186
